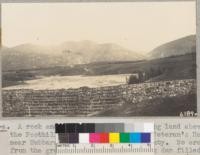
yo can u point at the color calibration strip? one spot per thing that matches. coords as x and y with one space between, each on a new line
90 138
91 133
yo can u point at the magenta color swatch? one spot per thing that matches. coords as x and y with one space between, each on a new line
94 138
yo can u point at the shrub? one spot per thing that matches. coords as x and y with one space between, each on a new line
133 79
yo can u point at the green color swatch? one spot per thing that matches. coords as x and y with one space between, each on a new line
124 137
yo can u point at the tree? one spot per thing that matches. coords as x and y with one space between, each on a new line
133 79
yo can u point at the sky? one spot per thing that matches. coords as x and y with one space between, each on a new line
138 26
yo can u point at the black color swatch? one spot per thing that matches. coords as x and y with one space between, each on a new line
60 128
71 127
89 127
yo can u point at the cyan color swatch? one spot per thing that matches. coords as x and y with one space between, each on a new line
135 137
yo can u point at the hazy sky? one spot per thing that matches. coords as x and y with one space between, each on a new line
138 25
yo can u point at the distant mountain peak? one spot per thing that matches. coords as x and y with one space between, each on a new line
27 45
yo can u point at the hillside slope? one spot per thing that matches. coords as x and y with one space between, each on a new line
177 47
176 67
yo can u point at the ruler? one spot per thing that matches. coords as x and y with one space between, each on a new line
66 149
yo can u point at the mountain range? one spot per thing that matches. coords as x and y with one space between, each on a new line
30 56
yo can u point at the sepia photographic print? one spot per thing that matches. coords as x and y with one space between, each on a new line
99 59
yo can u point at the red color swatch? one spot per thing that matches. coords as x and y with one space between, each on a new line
104 137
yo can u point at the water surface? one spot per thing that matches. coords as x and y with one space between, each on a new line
65 82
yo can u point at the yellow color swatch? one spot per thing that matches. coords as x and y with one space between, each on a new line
114 137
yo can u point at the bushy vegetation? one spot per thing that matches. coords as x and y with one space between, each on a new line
146 75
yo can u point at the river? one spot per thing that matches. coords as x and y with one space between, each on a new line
65 82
